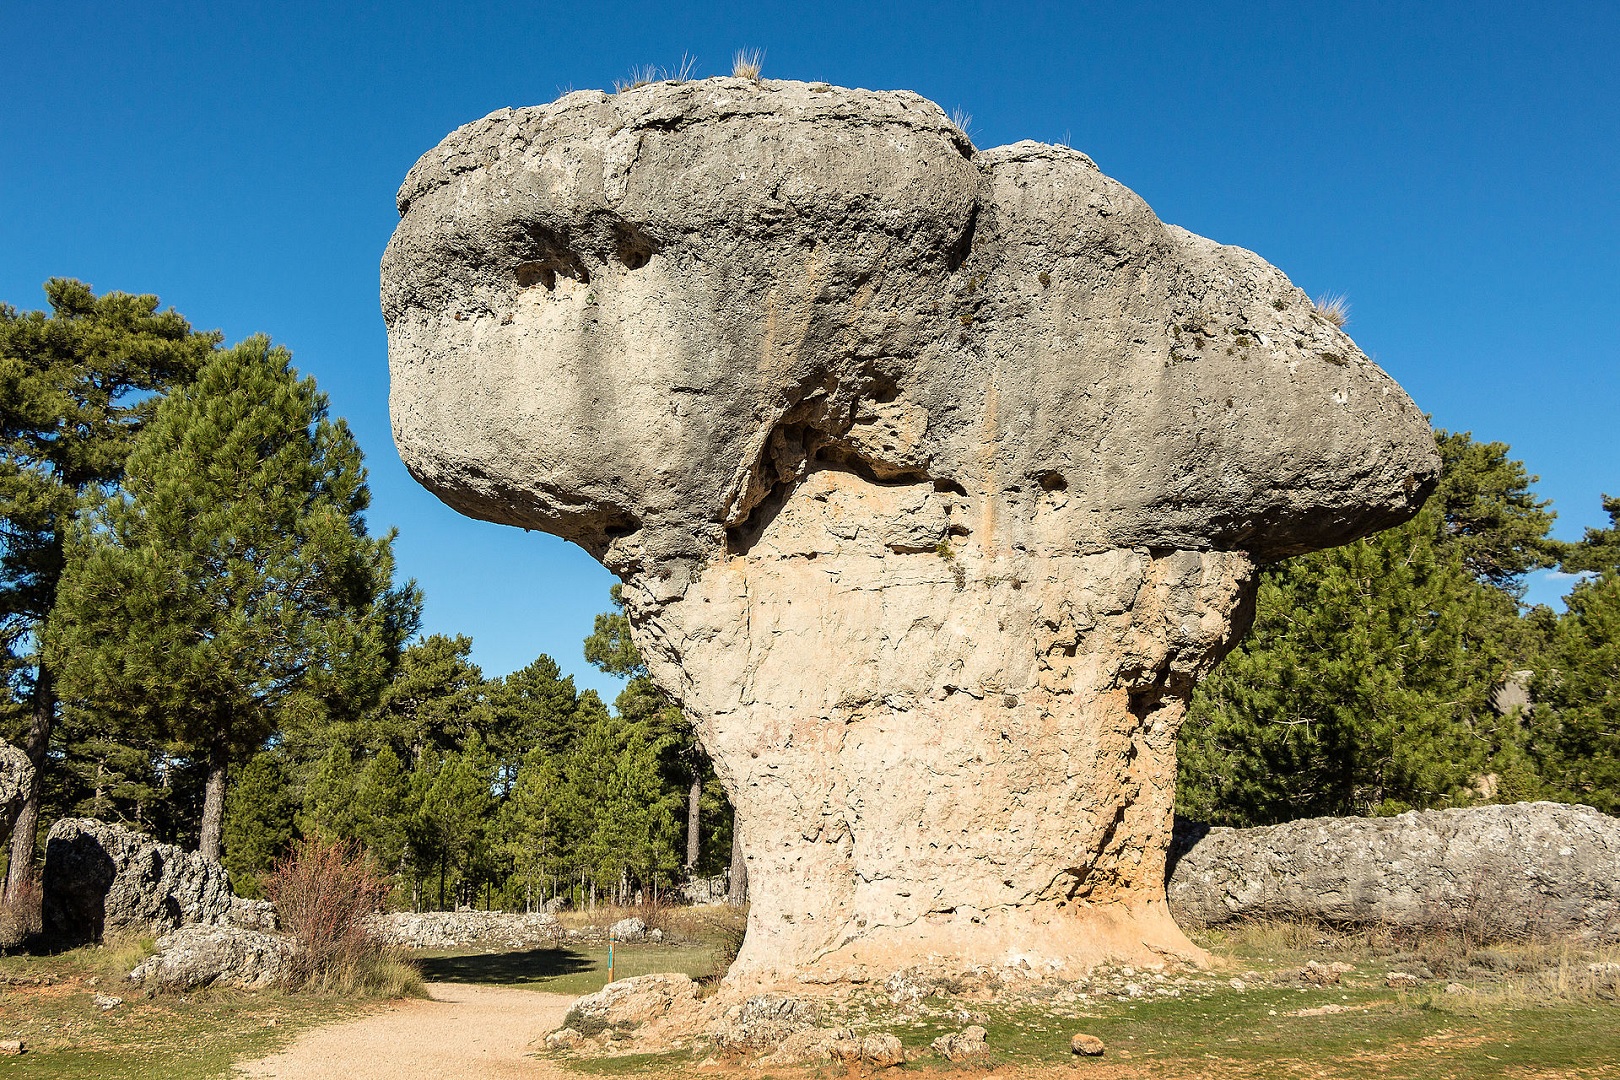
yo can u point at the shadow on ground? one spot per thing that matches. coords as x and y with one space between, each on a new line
532 965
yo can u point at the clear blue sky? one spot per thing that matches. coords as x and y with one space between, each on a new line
1453 168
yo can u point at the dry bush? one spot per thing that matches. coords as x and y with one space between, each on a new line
746 64
324 892
20 915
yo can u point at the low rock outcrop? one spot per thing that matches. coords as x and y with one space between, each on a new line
936 477
450 929
16 774
200 956
1508 870
104 879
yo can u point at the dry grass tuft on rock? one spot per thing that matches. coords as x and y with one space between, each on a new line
747 63
324 892
1333 307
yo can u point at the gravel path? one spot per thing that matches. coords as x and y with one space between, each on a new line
463 1033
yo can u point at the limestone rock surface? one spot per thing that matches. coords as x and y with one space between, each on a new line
449 929
102 879
199 956
936 477
16 773
1513 869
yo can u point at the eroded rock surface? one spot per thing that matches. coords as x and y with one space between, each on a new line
16 773
199 956
1520 869
103 879
936 478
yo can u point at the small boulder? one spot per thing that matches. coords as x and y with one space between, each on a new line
1084 1045
563 1039
1319 974
105 879
631 929
12 1046
199 956
765 1020
106 1002
1400 980
625 1005
964 1045
878 1051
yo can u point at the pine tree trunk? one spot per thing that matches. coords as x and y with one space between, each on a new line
25 832
213 814
693 838
738 892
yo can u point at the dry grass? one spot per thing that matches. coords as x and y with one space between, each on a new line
1333 307
1515 970
647 73
747 63
962 121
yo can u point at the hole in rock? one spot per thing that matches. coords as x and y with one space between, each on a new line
1053 480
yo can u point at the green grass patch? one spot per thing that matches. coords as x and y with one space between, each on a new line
49 1003
568 970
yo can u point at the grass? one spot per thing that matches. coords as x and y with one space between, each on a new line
48 1002
569 970
747 63
1333 307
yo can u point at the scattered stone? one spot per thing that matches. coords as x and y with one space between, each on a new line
1524 868
1455 988
655 935
1319 974
1400 980
621 1007
12 1046
833 498
1237 984
106 1002
563 1039
961 1045
104 879
1086 1045
765 1020
1320 1010
631 929
199 956
880 1051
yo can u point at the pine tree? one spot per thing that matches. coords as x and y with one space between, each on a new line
1364 686
75 386
1575 728
233 578
259 824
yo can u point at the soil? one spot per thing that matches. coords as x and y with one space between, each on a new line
461 1032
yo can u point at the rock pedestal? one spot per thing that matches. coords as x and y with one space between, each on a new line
936 478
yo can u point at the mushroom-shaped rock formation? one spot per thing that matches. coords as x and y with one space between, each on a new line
936 477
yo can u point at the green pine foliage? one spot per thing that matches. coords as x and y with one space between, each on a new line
76 386
1365 684
232 578
1575 715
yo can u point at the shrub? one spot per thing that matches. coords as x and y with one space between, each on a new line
325 891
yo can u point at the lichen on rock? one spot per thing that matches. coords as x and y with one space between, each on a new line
936 478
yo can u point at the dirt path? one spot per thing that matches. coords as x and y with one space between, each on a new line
463 1033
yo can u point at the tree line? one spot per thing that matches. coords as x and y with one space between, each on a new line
204 640
1404 671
